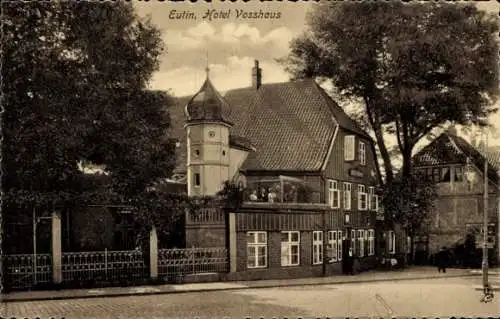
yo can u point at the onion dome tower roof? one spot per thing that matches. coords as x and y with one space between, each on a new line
207 105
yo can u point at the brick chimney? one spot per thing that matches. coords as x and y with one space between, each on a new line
256 75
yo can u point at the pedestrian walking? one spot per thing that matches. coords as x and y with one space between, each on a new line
442 259
350 263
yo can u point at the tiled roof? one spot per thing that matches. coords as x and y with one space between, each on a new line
441 150
287 122
478 156
450 148
341 117
241 142
493 156
291 125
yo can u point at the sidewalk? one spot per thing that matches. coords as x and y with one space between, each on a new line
413 273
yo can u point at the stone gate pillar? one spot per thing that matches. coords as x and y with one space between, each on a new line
56 248
153 253
232 242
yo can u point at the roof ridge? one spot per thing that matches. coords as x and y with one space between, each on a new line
332 103
484 156
453 143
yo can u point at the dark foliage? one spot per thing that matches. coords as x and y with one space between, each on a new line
74 91
415 66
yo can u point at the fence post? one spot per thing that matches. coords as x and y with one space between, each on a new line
106 263
193 252
232 242
34 247
153 253
56 248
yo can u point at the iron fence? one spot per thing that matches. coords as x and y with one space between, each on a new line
173 262
103 268
99 267
21 273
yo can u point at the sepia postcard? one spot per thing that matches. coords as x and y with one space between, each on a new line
250 159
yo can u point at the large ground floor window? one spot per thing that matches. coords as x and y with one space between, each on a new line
257 249
391 242
290 248
317 247
335 245
371 242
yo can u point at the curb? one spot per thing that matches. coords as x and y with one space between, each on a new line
167 292
481 289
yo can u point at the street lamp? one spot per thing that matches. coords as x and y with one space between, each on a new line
485 215
470 177
484 137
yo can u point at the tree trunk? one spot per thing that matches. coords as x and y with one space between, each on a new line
389 176
412 249
407 167
379 136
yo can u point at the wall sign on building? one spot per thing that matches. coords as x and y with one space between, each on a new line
356 173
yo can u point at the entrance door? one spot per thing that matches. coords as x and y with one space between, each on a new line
346 261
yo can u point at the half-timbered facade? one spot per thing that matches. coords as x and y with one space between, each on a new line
458 169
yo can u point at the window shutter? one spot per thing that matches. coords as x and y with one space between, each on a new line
349 149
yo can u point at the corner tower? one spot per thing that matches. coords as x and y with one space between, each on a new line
207 129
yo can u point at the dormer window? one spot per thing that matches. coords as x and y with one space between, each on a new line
349 150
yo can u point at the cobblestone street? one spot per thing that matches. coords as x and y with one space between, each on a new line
437 297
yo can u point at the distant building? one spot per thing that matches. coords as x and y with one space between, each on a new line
457 167
285 143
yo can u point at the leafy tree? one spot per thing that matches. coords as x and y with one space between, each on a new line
414 66
167 213
75 89
232 194
418 194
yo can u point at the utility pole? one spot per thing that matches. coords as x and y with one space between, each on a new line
326 251
485 214
34 245
498 217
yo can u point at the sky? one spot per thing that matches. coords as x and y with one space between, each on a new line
230 46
